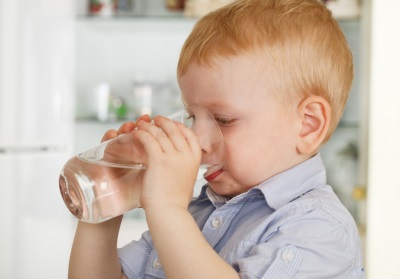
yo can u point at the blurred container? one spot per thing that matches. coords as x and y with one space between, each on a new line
142 101
175 5
102 7
124 7
102 96
199 8
109 107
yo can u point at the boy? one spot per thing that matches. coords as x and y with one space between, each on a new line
275 75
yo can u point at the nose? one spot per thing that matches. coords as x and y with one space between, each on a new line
205 133
205 128
210 137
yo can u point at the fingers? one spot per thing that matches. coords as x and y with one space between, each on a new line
172 135
145 118
167 134
191 139
161 137
173 132
130 126
125 128
109 135
149 143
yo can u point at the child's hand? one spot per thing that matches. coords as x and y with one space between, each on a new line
123 187
124 128
173 159
125 150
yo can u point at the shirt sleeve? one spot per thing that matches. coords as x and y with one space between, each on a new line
139 259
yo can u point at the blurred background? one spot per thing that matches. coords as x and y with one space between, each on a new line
70 70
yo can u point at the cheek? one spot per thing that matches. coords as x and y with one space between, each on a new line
245 171
247 161
254 157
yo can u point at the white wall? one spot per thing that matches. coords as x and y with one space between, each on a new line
383 226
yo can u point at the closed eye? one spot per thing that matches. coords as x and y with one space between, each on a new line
223 121
190 116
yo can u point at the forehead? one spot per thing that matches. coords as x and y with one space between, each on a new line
227 80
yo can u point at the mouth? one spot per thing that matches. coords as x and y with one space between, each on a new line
211 176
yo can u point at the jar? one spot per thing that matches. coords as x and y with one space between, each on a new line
102 7
175 5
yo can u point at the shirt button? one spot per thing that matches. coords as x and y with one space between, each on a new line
157 264
216 222
287 256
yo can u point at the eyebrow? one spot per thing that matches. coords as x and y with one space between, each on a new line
214 104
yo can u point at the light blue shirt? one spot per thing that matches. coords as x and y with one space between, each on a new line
290 226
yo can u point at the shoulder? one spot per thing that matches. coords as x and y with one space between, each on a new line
316 214
322 207
318 231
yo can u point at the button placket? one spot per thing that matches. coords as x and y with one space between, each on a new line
157 264
216 222
154 267
286 264
287 256
213 229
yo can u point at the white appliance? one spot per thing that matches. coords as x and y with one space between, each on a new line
36 136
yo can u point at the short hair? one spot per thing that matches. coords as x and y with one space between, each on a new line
300 39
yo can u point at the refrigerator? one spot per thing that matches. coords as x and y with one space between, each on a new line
36 136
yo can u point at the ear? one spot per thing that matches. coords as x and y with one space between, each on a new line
314 112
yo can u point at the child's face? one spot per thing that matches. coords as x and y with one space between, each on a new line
260 132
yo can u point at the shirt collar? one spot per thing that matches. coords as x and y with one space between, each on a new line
281 188
292 183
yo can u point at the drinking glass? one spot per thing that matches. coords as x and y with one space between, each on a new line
104 182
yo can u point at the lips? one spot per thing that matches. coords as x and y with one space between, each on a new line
212 176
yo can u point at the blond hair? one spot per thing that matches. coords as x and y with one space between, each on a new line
300 39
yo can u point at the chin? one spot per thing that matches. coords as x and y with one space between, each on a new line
226 189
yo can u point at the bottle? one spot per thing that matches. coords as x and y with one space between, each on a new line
103 95
142 97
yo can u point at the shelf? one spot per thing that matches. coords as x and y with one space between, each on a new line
93 120
343 10
148 15
167 17
133 17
